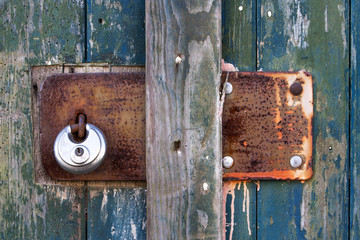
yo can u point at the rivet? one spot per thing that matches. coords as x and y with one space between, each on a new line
269 13
178 60
228 88
296 88
241 8
295 161
227 162
330 148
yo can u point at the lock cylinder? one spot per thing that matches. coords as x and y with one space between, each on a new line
80 157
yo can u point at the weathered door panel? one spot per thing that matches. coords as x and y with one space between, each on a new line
269 35
355 124
31 35
310 35
116 34
239 48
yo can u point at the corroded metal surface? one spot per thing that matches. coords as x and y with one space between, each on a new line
115 103
265 124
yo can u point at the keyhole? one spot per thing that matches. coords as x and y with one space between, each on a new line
79 151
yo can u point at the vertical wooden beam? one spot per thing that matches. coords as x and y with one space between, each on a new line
183 112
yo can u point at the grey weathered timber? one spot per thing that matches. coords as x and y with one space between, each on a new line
183 112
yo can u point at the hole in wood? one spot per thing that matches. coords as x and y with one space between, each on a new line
177 145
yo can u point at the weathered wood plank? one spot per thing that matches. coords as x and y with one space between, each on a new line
116 32
34 32
310 35
239 49
355 122
116 213
239 33
184 172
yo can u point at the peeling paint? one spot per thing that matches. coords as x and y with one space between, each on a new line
299 28
197 6
104 205
326 18
341 9
133 229
203 219
326 184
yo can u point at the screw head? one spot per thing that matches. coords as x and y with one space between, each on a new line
227 162
295 161
296 88
228 88
178 60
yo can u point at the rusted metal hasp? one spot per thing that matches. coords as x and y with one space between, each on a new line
267 120
115 103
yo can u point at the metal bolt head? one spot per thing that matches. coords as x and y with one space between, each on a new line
296 88
228 88
227 162
178 60
296 161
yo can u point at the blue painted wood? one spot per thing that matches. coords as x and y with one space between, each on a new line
239 49
34 33
116 213
116 32
355 122
310 35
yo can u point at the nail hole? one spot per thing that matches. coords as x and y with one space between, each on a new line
100 20
177 145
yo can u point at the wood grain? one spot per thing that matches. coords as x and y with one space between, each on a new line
239 49
116 213
184 173
355 122
116 32
34 33
312 36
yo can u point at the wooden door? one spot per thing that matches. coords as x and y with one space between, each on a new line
271 35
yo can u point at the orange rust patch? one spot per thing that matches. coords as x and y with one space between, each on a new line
274 124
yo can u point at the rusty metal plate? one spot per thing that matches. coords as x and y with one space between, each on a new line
114 102
267 119
264 123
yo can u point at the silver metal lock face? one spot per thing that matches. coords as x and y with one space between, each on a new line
80 157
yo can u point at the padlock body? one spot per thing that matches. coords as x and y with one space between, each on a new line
80 157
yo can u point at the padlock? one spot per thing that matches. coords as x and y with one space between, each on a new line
80 157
